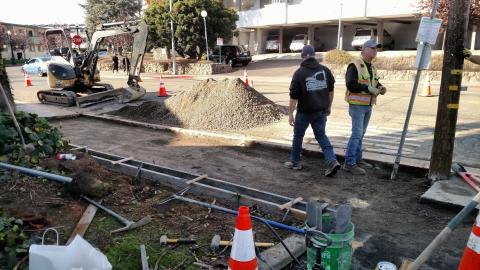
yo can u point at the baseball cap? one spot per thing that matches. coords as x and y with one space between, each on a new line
307 51
371 44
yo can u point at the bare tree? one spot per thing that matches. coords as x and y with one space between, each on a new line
425 7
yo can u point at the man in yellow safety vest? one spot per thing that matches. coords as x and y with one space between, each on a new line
362 91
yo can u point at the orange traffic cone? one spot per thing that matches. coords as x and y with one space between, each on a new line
162 90
427 88
245 77
471 254
28 82
242 256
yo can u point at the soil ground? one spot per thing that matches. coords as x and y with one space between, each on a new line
42 204
387 211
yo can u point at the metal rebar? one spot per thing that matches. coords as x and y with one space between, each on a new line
233 212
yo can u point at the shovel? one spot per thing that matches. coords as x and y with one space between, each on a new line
129 225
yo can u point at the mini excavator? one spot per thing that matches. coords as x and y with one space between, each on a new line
73 75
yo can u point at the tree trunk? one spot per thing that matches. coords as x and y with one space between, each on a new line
448 102
6 86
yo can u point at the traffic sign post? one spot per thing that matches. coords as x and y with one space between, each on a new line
77 40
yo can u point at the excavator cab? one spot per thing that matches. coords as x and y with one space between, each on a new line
73 75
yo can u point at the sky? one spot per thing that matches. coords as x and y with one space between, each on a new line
42 11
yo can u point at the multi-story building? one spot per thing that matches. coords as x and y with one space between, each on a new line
318 22
26 41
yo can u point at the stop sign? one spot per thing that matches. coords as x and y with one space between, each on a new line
77 40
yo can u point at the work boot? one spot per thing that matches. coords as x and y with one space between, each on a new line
364 165
293 166
354 169
332 168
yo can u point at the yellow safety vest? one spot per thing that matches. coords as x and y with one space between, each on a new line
364 97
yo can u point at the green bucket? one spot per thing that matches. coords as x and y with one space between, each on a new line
337 256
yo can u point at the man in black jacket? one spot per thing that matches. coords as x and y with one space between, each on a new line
311 95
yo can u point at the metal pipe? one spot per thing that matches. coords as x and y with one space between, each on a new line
46 175
229 211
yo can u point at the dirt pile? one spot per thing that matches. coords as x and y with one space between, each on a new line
88 177
211 104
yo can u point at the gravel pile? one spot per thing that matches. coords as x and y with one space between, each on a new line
212 105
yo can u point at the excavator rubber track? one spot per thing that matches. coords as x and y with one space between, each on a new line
57 97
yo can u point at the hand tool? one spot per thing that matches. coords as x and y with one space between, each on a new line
217 242
443 235
164 240
129 225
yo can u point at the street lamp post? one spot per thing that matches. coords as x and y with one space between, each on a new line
340 32
11 46
204 15
174 60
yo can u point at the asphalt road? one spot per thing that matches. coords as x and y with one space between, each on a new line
271 79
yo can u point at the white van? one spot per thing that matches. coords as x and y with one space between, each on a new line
298 42
363 34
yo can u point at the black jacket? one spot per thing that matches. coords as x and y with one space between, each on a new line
310 85
351 79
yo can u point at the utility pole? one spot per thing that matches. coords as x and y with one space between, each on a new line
174 60
448 102
340 32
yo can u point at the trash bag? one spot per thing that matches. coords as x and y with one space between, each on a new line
78 255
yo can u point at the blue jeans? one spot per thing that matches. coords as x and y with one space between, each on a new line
318 121
360 115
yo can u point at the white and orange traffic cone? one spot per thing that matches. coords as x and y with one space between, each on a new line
245 77
28 82
162 90
242 256
427 87
471 254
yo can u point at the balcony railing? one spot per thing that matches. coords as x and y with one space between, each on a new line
310 11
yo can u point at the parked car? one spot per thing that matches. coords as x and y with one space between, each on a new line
37 65
298 42
231 54
273 43
363 34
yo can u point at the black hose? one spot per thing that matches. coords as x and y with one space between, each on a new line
279 239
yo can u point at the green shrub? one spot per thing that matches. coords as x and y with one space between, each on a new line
338 57
13 242
36 130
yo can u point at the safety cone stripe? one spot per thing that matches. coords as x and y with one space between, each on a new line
236 265
243 250
474 240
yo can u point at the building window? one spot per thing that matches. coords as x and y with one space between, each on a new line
30 33
39 48
247 5
32 48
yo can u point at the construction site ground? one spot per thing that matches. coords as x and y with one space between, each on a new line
45 204
389 212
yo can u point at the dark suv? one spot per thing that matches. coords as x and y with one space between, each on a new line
231 54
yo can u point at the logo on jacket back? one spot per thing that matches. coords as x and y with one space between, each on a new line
317 82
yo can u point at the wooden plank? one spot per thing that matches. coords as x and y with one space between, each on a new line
83 223
290 203
121 160
203 176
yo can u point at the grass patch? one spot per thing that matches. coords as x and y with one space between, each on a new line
123 249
